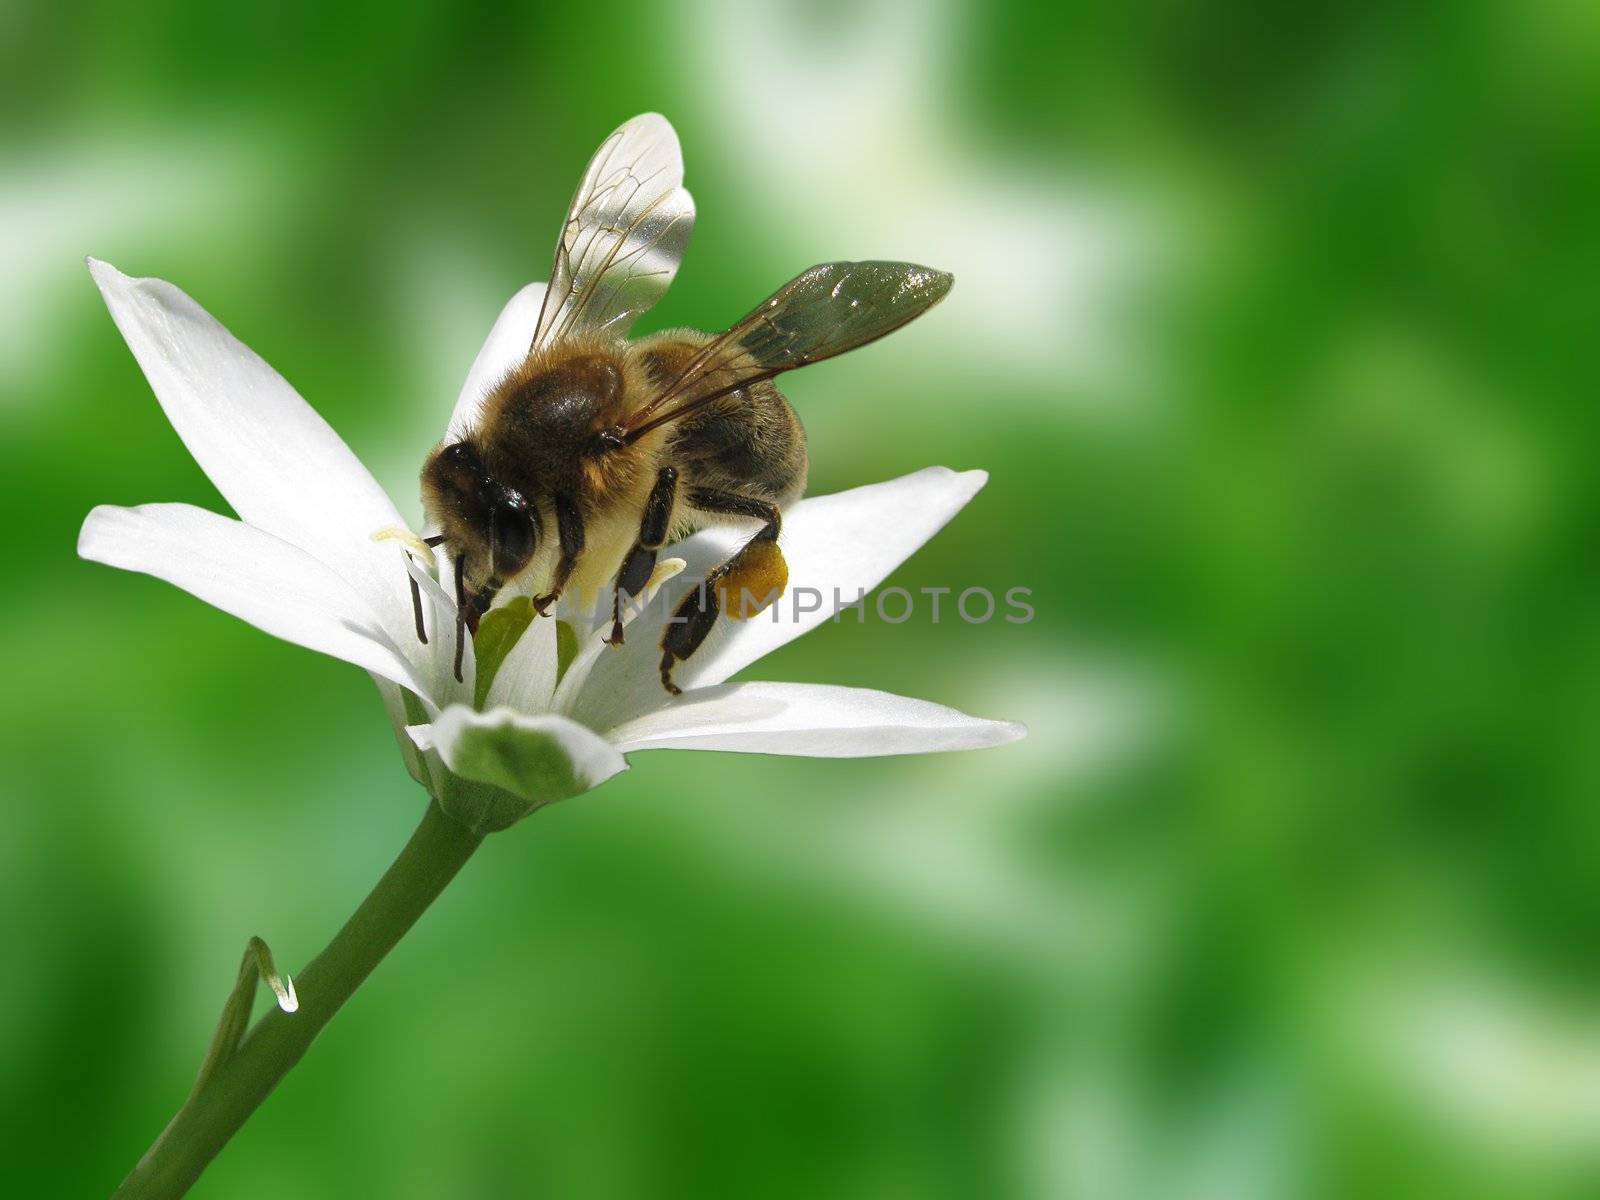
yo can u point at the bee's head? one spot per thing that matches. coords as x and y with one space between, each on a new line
490 527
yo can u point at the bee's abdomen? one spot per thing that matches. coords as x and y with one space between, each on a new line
750 443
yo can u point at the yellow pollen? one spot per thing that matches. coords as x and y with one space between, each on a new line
755 578
406 538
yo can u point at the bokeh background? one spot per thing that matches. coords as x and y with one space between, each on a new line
1275 327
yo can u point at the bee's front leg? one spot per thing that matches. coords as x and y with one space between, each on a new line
569 527
742 587
641 560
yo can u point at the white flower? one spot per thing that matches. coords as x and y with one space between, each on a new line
302 563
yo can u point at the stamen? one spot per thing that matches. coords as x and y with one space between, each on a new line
421 547
664 570
421 550
461 613
416 608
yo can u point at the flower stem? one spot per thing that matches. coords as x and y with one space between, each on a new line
430 860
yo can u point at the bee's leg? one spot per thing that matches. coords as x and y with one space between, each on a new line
569 527
478 603
462 617
469 609
641 560
742 587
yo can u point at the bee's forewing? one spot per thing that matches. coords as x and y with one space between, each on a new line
836 307
820 313
625 234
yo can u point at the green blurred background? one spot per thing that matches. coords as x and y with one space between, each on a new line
1275 328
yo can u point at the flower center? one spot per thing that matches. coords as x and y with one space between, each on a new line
497 634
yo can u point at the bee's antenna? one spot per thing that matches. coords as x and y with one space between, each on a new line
436 540
416 607
461 612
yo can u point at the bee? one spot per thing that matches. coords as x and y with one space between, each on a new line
596 451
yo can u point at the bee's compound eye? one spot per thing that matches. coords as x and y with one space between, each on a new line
512 534
461 454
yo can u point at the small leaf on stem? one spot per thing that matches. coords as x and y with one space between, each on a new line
256 965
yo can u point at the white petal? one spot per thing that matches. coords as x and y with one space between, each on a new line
394 705
278 463
261 579
838 546
814 720
594 647
437 658
540 759
527 676
507 345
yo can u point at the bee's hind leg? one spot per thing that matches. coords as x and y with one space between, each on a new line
741 587
641 560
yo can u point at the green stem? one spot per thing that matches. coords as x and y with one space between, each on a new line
430 860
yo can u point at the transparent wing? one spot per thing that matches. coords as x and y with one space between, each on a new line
826 311
625 234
